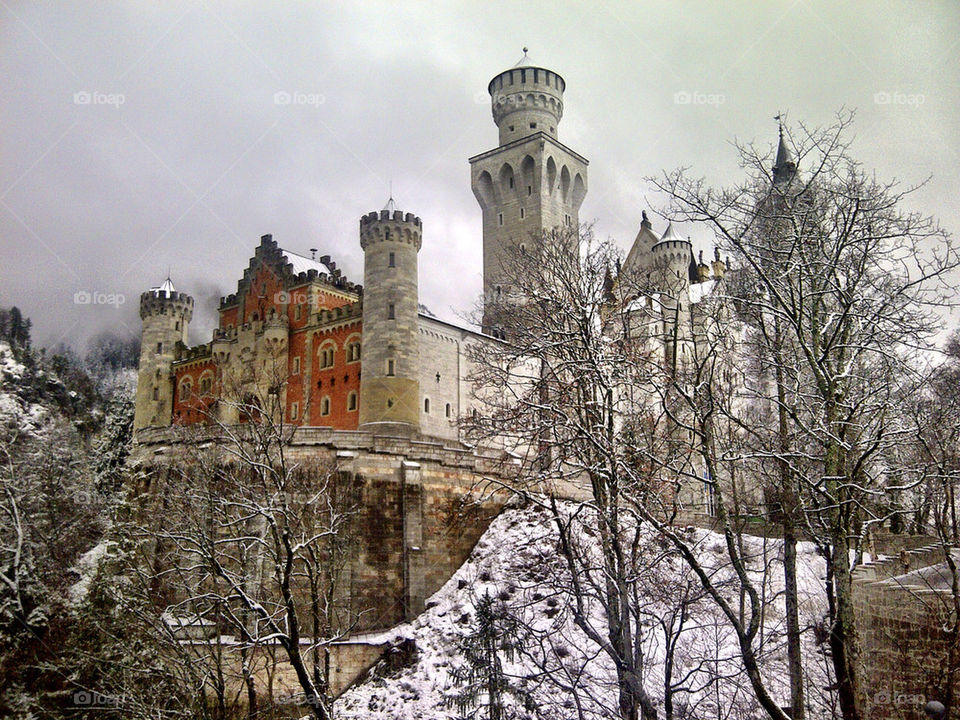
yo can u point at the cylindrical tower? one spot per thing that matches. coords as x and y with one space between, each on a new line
526 99
390 351
670 261
165 314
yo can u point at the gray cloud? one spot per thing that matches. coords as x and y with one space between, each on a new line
181 156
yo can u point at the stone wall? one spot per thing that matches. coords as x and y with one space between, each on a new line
903 613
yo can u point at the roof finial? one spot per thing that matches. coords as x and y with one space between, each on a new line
525 48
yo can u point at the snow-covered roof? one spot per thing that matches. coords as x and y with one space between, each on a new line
671 234
165 287
303 264
700 290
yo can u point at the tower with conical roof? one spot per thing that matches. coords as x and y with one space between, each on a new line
784 168
529 183
165 315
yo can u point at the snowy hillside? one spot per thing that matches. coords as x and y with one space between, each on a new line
555 671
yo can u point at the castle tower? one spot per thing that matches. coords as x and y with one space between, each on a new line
673 268
390 352
165 314
528 184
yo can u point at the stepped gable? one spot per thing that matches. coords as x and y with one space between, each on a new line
293 269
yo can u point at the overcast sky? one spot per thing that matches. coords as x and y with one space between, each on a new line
137 136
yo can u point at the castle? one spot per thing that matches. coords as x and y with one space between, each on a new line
371 358
373 384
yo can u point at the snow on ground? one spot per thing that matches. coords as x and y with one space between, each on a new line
15 412
561 671
86 567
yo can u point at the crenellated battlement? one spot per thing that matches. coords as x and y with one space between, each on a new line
390 226
162 302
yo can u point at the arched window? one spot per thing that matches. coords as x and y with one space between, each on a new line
353 351
206 383
426 405
186 386
448 409
326 354
352 400
325 406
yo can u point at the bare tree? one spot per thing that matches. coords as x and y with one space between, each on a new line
255 542
553 388
850 281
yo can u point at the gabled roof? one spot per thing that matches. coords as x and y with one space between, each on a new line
303 264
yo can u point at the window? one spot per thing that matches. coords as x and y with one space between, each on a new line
206 384
500 219
156 393
511 128
352 401
326 356
391 312
185 389
325 406
522 214
426 405
296 312
448 410
353 352
176 325
294 411
533 126
523 249
511 183
529 190
296 366
393 260
391 367
159 348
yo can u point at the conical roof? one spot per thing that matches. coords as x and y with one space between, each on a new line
671 234
525 61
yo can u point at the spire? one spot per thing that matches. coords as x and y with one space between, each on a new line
391 205
525 61
784 168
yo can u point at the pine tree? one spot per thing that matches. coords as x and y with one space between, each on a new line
484 684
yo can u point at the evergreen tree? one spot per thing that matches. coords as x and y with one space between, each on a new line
484 684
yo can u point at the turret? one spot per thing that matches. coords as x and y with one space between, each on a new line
390 352
165 315
526 99
670 261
